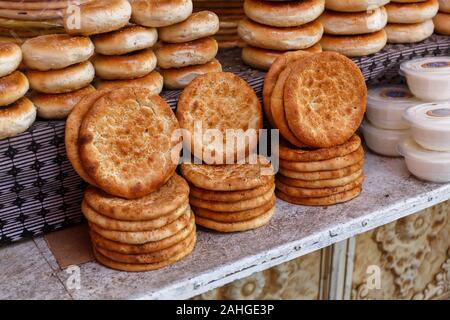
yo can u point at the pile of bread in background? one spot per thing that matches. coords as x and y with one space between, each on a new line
230 13
442 19
410 21
17 113
274 27
25 19
354 28
317 101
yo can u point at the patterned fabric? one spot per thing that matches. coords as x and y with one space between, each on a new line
40 192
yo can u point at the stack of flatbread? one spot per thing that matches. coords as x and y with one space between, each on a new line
230 13
121 142
20 20
231 198
317 101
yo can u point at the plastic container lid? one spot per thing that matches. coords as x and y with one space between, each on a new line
388 97
429 116
409 148
431 66
366 126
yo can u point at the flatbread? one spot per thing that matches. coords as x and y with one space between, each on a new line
326 183
73 125
227 196
141 237
325 99
318 193
233 206
234 177
147 247
166 199
237 216
290 153
126 142
130 267
154 257
131 226
277 109
236 226
322 175
221 101
272 75
323 201
325 165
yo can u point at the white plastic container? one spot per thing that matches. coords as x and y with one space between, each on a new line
386 105
428 78
425 164
383 141
430 125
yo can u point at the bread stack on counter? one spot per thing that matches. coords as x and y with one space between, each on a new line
25 19
17 113
186 49
442 19
229 13
231 198
317 101
410 21
354 28
122 143
232 189
274 27
59 72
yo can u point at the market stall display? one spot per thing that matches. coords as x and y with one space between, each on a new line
117 134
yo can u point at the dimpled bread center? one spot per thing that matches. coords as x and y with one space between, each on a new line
133 141
329 100
219 112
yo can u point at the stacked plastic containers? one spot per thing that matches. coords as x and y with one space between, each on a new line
415 123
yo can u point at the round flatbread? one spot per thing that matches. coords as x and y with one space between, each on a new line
326 183
140 267
127 143
140 237
229 177
233 206
290 153
165 200
272 75
227 196
317 193
325 165
219 102
237 216
277 109
154 257
131 226
148 247
73 125
322 201
236 226
322 175
325 99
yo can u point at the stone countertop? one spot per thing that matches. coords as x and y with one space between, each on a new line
29 270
